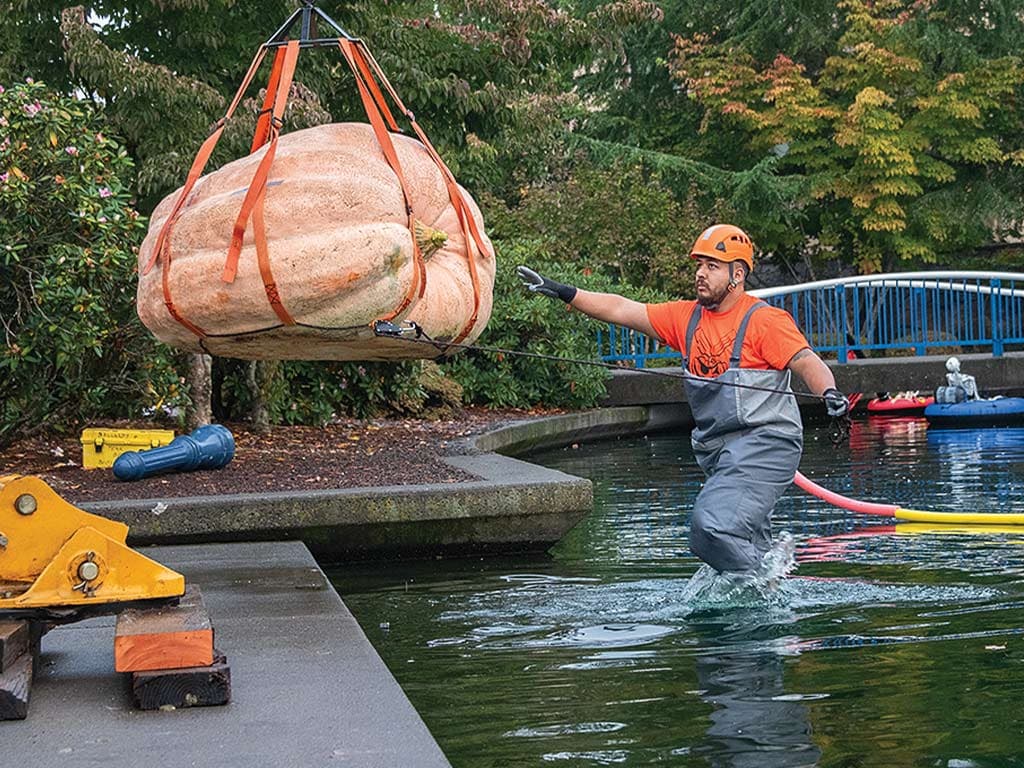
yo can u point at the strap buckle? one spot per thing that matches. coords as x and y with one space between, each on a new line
394 330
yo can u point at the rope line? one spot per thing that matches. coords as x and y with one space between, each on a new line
390 330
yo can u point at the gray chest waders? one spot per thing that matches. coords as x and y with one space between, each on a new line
748 442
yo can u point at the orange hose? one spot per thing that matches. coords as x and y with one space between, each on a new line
844 502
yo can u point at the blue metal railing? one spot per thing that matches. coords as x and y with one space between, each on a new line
919 311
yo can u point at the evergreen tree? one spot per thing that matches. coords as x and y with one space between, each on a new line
906 158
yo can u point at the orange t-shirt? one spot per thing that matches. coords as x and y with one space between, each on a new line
771 340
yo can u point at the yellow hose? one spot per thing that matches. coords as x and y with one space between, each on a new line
942 528
910 515
966 518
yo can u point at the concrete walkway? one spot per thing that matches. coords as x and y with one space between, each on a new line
307 687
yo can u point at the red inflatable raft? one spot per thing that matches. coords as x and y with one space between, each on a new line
901 404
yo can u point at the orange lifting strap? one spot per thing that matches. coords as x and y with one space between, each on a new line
369 78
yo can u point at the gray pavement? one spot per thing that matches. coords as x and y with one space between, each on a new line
307 687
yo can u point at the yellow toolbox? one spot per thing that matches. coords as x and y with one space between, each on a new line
101 446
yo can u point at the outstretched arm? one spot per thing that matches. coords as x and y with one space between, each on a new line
612 308
609 307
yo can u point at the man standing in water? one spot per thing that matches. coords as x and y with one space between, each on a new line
737 357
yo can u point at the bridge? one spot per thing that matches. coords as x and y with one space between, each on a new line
884 332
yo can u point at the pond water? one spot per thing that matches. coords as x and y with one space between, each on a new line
886 646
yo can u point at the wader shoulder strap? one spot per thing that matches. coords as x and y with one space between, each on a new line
737 347
691 329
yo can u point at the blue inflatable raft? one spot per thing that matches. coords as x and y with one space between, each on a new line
974 413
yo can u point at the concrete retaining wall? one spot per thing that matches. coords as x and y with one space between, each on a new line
524 437
996 375
514 505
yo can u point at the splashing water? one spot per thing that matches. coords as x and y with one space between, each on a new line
709 589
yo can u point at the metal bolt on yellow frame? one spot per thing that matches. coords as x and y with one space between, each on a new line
53 554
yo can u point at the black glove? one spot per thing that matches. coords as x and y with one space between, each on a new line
546 286
836 403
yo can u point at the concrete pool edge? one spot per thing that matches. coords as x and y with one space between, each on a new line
514 506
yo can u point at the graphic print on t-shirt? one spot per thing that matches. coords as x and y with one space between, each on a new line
710 356
771 339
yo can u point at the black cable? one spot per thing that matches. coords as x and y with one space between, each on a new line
391 331
422 338
839 431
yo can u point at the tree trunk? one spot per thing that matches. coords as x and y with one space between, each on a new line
200 386
217 405
260 378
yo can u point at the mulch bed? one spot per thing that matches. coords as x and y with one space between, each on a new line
347 454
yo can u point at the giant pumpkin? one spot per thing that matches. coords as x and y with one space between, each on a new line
340 248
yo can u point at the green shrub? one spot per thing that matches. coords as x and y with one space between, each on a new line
521 321
312 392
73 346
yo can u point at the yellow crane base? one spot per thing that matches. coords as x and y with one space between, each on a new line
54 555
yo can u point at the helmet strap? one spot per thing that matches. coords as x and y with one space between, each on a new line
732 276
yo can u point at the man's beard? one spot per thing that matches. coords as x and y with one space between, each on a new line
712 300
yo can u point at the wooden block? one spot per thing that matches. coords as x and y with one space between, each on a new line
15 686
35 638
178 688
169 637
14 641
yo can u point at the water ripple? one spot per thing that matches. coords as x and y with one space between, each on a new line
563 729
900 643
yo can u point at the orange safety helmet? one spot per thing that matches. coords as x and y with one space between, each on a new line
725 243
